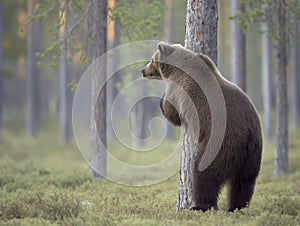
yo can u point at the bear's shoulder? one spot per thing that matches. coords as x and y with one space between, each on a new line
209 63
220 78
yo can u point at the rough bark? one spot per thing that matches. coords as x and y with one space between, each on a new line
201 36
267 83
295 75
98 27
1 67
281 145
32 76
238 48
202 27
63 81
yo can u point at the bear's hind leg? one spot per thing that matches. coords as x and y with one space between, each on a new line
205 192
240 192
241 185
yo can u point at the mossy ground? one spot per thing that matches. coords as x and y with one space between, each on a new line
45 183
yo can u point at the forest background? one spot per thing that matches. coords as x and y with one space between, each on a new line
44 180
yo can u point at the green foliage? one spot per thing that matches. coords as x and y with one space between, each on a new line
49 10
139 20
45 183
73 85
258 11
14 43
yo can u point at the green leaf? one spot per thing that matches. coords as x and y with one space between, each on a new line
73 85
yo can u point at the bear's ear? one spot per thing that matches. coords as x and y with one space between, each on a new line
165 48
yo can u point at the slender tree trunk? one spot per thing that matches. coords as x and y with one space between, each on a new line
98 108
295 75
63 81
32 77
1 67
299 79
112 91
45 97
44 81
168 21
238 48
142 111
267 83
168 36
281 146
201 36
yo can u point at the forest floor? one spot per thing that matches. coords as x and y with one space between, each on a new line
45 183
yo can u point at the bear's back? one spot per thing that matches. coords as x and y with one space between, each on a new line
243 127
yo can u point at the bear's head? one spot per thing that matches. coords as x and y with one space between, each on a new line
172 58
157 68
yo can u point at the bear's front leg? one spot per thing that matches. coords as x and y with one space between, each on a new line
169 112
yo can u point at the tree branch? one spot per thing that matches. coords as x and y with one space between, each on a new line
70 30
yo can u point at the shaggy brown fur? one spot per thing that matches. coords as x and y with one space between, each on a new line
238 161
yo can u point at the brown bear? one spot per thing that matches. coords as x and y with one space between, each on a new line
237 159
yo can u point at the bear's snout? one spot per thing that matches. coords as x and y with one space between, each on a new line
150 72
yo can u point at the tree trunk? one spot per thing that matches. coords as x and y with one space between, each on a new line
168 21
112 91
202 27
168 36
238 48
63 81
267 83
1 67
142 110
32 76
294 75
98 108
281 146
45 84
299 79
201 36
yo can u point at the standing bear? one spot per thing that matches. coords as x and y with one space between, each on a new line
204 103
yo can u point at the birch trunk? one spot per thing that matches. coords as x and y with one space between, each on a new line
238 48
281 145
200 37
